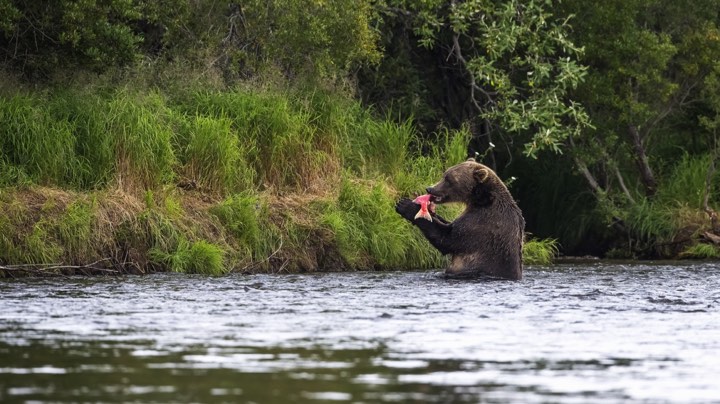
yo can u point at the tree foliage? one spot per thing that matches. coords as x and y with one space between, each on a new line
626 90
648 62
242 38
40 37
513 61
652 65
322 37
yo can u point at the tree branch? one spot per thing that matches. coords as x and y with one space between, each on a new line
622 184
646 175
589 177
677 100
456 50
600 193
708 185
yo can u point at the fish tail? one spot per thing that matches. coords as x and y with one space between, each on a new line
423 214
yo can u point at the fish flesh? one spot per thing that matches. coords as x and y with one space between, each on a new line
426 206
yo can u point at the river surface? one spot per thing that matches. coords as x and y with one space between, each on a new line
571 333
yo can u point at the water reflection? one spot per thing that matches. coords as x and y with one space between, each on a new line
569 333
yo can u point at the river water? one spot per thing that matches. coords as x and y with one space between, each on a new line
571 333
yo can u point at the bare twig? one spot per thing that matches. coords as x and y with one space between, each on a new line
55 268
711 237
282 267
268 258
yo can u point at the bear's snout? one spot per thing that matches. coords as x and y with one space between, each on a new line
434 192
436 197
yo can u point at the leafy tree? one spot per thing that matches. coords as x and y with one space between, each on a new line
651 69
241 38
325 37
648 60
38 37
505 66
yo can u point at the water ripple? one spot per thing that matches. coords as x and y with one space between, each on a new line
598 332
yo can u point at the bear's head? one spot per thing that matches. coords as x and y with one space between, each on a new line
469 182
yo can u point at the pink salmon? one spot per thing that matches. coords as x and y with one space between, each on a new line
426 206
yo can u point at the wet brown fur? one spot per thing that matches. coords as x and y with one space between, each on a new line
487 237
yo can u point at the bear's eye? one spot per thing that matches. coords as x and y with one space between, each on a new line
449 181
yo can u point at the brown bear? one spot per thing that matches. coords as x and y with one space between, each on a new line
487 237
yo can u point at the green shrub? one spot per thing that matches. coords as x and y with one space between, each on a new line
200 257
540 252
701 251
368 232
206 258
239 215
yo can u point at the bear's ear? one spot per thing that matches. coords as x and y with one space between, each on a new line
481 174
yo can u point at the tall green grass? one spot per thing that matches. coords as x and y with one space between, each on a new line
199 257
379 147
221 141
246 217
267 179
50 233
81 140
95 153
701 251
39 247
74 230
143 148
368 232
685 183
33 144
677 206
650 220
281 143
423 169
211 154
170 240
540 251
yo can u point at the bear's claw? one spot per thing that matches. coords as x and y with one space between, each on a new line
407 208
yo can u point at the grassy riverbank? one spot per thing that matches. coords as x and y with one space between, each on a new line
211 181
